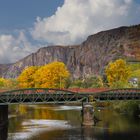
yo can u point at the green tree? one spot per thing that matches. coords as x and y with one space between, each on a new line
76 83
136 74
93 82
89 82
2 82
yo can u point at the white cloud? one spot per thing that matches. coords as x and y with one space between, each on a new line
14 48
71 24
77 19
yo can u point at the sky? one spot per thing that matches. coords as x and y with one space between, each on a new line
27 25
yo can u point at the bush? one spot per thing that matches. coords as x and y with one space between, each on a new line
89 82
128 107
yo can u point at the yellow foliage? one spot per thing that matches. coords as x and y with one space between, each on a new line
2 82
117 71
52 75
26 78
5 83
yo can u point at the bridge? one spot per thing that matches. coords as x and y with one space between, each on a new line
45 96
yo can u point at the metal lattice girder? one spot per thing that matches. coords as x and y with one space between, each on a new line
44 95
119 94
39 95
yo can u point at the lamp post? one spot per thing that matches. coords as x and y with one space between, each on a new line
60 82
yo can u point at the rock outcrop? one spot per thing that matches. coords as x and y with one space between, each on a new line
88 58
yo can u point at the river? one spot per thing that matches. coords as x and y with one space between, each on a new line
61 122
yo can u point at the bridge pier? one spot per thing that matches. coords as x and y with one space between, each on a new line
3 122
3 132
3 115
87 114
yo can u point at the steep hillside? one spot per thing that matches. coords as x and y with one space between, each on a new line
88 58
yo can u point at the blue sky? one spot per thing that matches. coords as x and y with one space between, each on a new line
27 25
15 14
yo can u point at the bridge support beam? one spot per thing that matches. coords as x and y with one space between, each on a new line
87 115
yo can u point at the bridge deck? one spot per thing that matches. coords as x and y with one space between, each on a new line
43 95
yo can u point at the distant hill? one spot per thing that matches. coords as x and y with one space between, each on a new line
88 58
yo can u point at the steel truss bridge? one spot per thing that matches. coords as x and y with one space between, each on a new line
45 95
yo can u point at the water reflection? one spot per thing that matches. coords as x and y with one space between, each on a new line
90 134
33 127
54 122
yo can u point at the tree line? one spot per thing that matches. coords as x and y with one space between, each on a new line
117 74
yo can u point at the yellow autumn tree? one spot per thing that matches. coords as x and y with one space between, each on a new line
6 83
53 75
118 73
2 82
26 78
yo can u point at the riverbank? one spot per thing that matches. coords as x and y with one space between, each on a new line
131 108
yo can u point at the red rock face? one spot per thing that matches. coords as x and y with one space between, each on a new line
88 58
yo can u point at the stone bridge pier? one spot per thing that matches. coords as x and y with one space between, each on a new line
3 115
4 132
3 122
87 115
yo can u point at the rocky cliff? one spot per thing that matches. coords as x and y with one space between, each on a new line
88 58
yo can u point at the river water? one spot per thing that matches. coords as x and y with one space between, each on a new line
61 122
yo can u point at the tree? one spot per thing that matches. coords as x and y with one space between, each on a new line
76 83
118 73
136 74
7 83
26 78
93 82
53 75
88 82
2 82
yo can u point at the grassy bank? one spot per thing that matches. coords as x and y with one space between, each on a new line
127 107
131 108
